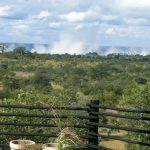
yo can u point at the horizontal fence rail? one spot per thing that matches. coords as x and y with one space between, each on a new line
54 135
120 139
121 109
123 116
91 115
42 107
39 125
46 116
120 128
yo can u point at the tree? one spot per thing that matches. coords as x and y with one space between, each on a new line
141 80
92 54
21 51
3 48
41 81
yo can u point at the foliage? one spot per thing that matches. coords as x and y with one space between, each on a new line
137 98
116 79
69 137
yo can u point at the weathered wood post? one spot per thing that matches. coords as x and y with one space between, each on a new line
94 118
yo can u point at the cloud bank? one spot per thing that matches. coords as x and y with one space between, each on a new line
75 26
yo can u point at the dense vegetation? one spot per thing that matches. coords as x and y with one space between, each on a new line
117 80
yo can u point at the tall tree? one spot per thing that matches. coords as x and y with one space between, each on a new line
3 47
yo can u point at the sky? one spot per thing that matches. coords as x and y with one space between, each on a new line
76 25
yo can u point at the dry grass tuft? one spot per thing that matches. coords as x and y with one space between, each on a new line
56 86
68 136
117 145
21 74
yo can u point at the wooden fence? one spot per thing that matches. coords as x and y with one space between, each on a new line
92 125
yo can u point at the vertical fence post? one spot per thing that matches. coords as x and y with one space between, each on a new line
93 128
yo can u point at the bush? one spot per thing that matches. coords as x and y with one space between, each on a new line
41 81
141 80
4 94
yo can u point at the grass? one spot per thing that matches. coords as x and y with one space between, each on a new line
114 144
21 74
1 86
56 86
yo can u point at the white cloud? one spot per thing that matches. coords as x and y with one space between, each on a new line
21 27
108 17
44 14
18 28
55 24
111 31
135 21
77 16
127 31
4 10
79 26
133 4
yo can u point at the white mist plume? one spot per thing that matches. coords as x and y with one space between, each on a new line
41 49
111 50
77 40
81 39
127 50
68 44
145 52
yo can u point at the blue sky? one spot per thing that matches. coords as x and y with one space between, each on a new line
76 24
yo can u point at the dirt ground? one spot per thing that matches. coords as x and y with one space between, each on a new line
114 144
21 74
117 145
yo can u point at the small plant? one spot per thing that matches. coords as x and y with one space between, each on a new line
68 139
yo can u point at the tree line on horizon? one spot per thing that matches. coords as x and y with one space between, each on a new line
23 51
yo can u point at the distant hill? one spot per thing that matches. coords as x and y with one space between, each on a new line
28 46
103 50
